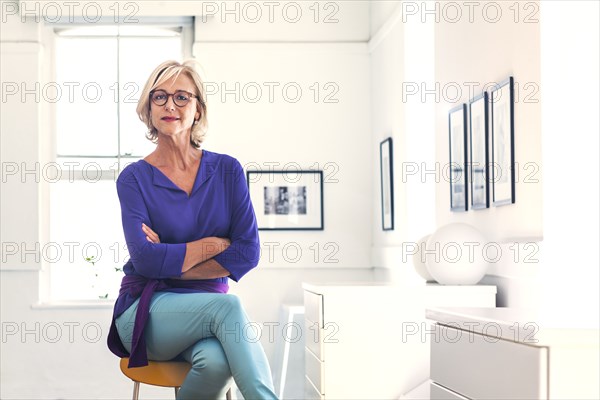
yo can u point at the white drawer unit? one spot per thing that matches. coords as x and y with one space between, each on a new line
503 353
314 324
371 341
480 367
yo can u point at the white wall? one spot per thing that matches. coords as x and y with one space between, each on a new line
472 55
401 53
62 347
549 255
570 101
285 21
291 129
477 53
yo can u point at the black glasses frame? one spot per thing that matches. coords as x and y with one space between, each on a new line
175 101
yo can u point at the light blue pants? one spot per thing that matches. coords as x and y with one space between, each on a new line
207 330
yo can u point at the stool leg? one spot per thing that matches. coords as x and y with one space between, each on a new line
136 390
176 391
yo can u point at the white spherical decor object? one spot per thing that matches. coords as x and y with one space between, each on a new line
419 260
455 255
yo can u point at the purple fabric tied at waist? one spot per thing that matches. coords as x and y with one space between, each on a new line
134 286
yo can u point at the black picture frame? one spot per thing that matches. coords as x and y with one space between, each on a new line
386 173
478 150
287 200
457 136
503 143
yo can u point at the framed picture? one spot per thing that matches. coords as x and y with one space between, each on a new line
287 200
386 168
479 128
503 143
457 126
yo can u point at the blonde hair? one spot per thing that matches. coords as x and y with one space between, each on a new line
162 73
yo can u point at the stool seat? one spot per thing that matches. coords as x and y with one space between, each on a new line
158 373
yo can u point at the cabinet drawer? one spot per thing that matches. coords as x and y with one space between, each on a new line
485 367
313 338
314 370
437 392
313 307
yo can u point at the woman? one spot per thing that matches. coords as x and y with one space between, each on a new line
189 226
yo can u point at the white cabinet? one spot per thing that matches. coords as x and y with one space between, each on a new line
372 341
502 353
479 366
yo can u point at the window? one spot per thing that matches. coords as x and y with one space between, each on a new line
100 72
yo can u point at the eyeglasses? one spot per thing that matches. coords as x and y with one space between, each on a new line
180 97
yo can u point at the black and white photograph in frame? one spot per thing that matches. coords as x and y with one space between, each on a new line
503 144
479 134
386 167
287 200
457 127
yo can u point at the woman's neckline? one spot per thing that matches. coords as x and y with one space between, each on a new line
173 183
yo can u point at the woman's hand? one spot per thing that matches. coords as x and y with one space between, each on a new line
151 236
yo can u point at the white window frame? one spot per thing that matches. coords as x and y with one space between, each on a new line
48 146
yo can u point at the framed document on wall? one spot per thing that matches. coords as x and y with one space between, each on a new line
503 143
478 139
287 200
457 128
386 172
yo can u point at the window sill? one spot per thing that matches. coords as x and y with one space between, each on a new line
74 305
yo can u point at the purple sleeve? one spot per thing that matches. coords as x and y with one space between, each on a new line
244 252
151 260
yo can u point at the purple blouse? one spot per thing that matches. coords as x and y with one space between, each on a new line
219 205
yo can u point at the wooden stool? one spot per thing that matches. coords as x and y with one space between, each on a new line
158 373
